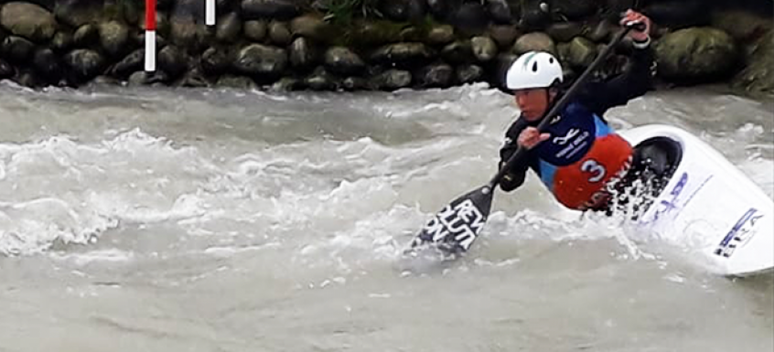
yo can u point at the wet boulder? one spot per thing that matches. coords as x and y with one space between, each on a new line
287 84
469 73
470 15
355 83
573 9
28 20
459 52
302 53
564 31
114 37
84 64
403 10
535 41
172 60
678 14
499 11
697 53
279 33
311 27
602 31
757 77
187 33
484 48
16 49
503 35
228 28
320 80
255 30
271 9
239 82
76 13
131 63
741 25
391 80
47 64
6 70
435 76
578 53
402 54
61 41
440 35
214 61
86 36
343 61
261 60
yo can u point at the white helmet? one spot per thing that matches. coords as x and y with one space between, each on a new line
534 70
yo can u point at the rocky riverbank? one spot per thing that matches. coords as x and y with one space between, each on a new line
371 44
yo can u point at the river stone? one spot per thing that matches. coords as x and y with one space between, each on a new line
228 28
535 41
697 53
255 30
239 82
114 37
391 80
172 60
86 36
214 61
28 20
6 70
84 63
503 35
271 9
469 73
61 41
440 35
47 63
344 61
302 54
484 48
17 49
131 63
402 54
435 76
279 33
76 13
258 59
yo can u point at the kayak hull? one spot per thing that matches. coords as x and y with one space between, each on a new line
709 207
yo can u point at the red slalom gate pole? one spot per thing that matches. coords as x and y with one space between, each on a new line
150 35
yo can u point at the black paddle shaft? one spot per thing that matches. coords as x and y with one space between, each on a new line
565 98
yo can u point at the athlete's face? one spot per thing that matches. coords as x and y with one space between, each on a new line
533 102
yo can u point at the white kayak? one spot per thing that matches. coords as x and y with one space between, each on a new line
709 206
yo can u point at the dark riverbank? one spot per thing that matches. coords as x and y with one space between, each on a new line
372 44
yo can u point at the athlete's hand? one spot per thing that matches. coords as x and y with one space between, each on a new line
530 137
632 17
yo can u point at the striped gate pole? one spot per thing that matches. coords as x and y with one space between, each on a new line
150 35
209 12
150 30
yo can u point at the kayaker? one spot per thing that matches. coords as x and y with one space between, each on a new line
578 157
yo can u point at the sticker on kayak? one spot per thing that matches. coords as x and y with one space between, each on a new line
740 234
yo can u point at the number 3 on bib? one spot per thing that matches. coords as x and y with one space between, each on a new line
596 170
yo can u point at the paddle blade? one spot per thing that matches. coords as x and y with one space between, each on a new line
455 227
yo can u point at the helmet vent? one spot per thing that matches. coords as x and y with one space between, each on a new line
534 67
551 60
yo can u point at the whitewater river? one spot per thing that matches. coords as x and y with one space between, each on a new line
200 220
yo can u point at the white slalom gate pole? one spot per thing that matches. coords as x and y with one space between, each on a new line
150 35
209 12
